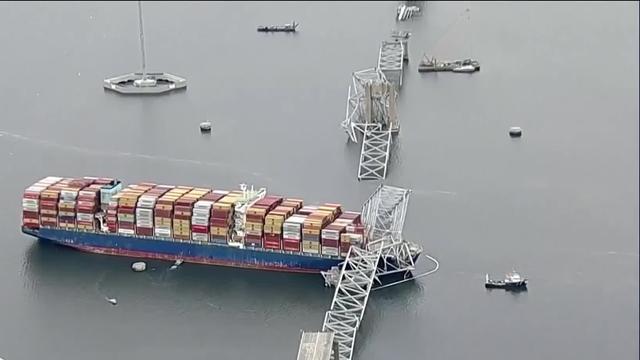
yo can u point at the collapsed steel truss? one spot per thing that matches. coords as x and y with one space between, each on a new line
386 253
371 101
391 61
350 299
372 113
383 216
374 155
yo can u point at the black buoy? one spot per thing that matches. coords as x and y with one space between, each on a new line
205 126
515 131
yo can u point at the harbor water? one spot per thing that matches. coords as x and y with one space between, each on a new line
560 204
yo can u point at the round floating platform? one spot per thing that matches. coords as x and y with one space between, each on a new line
205 126
515 131
139 266
153 83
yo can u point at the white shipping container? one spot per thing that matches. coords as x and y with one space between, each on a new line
84 217
144 212
162 233
126 232
330 251
199 222
291 235
200 237
69 194
330 234
36 188
29 202
310 251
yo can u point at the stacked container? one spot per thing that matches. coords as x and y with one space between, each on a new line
49 203
354 235
112 213
200 219
87 206
31 201
273 226
331 235
313 225
256 214
292 232
127 200
68 202
221 216
163 211
183 211
145 208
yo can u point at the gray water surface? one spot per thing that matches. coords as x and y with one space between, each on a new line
560 204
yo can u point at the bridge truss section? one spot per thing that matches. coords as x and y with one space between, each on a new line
354 285
391 61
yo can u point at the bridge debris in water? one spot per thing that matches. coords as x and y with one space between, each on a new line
407 11
387 253
316 346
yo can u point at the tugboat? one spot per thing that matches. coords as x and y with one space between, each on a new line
512 281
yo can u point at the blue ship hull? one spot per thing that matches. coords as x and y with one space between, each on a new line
193 252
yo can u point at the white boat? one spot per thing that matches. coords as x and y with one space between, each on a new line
464 69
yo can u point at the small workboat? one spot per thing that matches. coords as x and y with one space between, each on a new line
293 27
512 281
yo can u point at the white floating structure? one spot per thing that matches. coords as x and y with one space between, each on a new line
143 82
139 266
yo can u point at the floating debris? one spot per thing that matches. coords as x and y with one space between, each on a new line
293 27
515 131
176 264
139 266
406 12
112 301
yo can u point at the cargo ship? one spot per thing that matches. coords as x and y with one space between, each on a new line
240 228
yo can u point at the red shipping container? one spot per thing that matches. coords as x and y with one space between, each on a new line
272 245
200 229
163 213
30 215
125 225
330 243
219 223
344 248
144 231
273 237
291 245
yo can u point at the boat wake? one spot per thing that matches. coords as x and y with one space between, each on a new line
83 150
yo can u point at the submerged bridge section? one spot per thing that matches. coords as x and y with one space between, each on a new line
386 253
